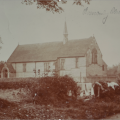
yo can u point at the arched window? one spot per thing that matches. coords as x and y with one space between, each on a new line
94 56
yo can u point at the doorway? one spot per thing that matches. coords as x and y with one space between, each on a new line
5 73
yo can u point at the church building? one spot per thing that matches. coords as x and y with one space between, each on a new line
78 58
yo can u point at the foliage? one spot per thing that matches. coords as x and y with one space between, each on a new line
50 90
52 5
106 91
12 84
92 109
45 90
51 94
6 104
112 70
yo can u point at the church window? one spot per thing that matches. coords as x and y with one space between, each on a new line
46 66
94 56
76 62
62 64
24 67
38 71
58 64
55 63
103 67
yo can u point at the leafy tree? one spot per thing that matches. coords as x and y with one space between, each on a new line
52 5
112 70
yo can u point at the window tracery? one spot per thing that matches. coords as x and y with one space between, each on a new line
94 56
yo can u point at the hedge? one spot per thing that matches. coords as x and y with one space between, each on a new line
43 90
50 90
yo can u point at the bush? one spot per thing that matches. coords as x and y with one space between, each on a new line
6 104
45 90
16 83
53 89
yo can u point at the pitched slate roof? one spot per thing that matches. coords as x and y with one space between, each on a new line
50 50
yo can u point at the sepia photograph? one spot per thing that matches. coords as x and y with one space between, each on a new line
60 59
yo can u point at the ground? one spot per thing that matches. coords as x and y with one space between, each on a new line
24 110
28 110
113 117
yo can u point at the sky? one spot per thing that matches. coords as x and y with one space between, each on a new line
25 24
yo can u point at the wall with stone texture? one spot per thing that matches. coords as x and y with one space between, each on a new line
78 73
94 69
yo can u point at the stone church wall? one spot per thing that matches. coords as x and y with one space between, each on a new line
78 73
70 63
105 69
94 69
29 69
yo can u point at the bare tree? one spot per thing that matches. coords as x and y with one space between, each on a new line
52 5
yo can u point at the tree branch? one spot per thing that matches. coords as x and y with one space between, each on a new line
52 5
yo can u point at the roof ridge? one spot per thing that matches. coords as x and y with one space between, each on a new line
81 39
54 41
50 50
39 43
